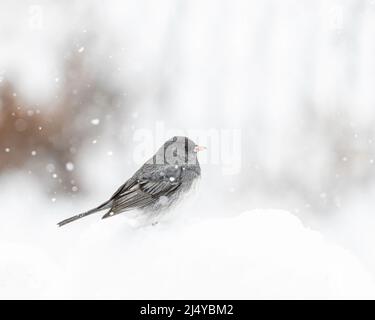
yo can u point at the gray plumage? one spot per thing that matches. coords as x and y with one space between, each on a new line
158 184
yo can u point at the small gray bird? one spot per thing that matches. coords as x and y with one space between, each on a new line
158 184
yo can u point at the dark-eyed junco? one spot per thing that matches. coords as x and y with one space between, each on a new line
159 183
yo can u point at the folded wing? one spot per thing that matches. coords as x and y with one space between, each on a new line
143 191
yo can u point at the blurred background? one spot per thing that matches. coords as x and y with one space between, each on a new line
291 82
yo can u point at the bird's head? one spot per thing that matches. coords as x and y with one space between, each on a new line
178 150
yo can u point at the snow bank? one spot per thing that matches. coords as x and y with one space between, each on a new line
258 254
261 254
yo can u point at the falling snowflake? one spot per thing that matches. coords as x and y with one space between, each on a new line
7 150
69 166
33 153
95 122
81 49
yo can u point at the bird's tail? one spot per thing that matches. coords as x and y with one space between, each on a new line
103 206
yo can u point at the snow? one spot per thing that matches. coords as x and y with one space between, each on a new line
257 254
69 166
95 121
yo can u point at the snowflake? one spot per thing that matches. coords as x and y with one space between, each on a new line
69 166
95 121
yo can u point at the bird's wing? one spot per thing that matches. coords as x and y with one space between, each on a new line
145 190
125 187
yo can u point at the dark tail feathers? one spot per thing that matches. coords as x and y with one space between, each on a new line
104 206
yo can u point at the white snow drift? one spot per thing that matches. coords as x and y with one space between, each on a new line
258 254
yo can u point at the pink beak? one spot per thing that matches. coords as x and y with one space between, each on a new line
199 148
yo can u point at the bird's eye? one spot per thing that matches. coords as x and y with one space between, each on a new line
175 152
